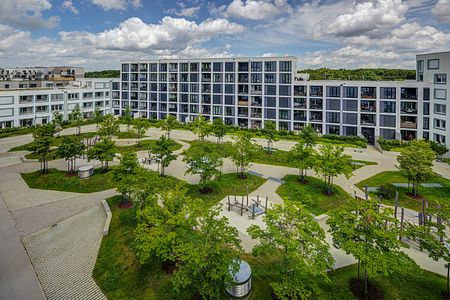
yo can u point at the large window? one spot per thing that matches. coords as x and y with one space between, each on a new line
433 64
440 78
333 91
350 92
388 93
256 66
285 66
440 109
440 94
270 66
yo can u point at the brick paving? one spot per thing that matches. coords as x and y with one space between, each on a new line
64 256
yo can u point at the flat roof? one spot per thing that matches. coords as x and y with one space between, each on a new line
433 53
290 57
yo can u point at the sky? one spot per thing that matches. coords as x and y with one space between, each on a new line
98 34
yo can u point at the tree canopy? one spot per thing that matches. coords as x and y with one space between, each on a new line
201 127
104 151
103 74
360 74
168 124
42 140
163 152
243 151
218 129
70 148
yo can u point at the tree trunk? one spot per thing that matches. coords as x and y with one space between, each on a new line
359 266
365 281
448 276
68 166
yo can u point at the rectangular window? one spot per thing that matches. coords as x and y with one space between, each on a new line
420 66
426 94
229 67
440 109
184 67
229 77
217 67
439 124
285 66
333 104
350 92
270 78
433 64
388 93
440 78
256 66
270 66
285 78
333 91
387 121
256 78
440 94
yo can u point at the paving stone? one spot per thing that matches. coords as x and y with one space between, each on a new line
64 256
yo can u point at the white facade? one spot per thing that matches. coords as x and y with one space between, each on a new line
25 107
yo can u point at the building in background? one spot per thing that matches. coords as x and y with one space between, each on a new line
246 92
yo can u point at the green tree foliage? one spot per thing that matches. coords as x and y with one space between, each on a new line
109 126
163 152
97 117
57 121
302 156
439 149
126 173
104 151
416 162
70 148
140 127
77 118
243 151
201 127
206 163
219 129
271 133
168 124
103 74
360 74
42 140
370 234
293 234
205 261
331 162
127 117
308 135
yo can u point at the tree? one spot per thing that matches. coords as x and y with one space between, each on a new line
127 117
125 174
42 140
308 135
302 156
370 234
168 124
206 261
77 118
57 121
140 127
293 234
218 129
97 117
331 162
243 151
439 149
416 162
108 127
164 153
206 163
270 130
104 151
70 148
201 127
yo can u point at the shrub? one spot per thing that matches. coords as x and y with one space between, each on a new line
388 145
386 191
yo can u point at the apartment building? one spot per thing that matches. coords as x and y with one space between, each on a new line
247 91
41 73
33 106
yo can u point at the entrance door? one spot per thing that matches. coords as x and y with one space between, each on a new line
369 134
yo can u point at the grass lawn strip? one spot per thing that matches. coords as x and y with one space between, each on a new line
56 141
145 145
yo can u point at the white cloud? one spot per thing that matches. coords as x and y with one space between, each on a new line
116 4
442 10
254 9
68 5
185 11
26 14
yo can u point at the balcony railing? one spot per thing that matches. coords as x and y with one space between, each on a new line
255 92
256 103
411 111
242 102
408 124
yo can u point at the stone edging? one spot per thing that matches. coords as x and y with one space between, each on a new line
108 217
26 160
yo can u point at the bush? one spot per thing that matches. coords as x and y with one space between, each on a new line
388 145
386 191
339 139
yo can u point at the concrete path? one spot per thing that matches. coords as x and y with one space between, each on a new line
64 255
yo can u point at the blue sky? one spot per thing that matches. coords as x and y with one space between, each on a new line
97 34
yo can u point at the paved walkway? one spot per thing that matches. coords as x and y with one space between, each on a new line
64 255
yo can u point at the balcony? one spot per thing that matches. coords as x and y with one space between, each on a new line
300 91
26 111
26 99
368 93
368 106
256 115
408 108
299 116
408 94
367 119
408 122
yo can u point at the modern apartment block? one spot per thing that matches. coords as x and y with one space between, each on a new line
32 106
247 91
41 73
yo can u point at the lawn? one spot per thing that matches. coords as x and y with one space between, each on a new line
120 276
311 194
58 181
52 155
127 135
222 149
56 141
430 194
145 145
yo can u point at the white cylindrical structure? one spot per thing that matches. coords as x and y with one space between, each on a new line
85 171
242 283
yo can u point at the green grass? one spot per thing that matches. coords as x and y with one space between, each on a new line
430 194
58 181
120 276
145 145
127 135
311 194
222 149
56 141
446 160
52 155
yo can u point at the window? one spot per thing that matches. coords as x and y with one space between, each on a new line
229 67
426 94
243 66
285 66
316 91
420 66
368 92
217 67
408 93
388 93
270 89
387 107
440 94
433 64
256 66
350 105
229 77
285 90
439 124
440 78
285 78
184 67
194 67
270 78
333 104
218 77
387 121
270 66
256 78
426 108
350 92
333 117
440 109
333 91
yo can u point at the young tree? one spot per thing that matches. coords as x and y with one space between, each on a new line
70 148
331 162
302 156
108 127
168 124
206 163
127 117
439 149
42 140
416 162
97 117
244 150
201 127
77 118
104 151
57 121
125 174
219 129
370 234
140 127
293 234
270 130
308 135
164 153
206 261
